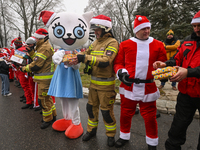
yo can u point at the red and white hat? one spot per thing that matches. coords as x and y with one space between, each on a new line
40 33
196 18
101 20
47 17
140 22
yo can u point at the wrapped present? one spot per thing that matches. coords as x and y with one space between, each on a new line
68 55
19 57
164 73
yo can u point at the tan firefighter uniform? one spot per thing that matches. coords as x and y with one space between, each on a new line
100 56
43 68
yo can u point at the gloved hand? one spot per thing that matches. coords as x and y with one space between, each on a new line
123 76
58 57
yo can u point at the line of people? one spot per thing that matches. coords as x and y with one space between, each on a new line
132 61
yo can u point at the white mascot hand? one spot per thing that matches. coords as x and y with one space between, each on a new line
58 56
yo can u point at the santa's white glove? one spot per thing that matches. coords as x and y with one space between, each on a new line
58 57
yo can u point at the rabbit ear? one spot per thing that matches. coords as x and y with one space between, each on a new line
47 17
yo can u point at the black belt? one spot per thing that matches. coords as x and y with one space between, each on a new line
137 80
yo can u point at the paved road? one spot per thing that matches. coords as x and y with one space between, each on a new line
20 129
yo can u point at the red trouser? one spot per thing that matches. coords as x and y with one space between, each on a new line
32 87
148 112
11 73
36 96
26 87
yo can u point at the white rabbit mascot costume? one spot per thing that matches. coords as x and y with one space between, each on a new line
69 31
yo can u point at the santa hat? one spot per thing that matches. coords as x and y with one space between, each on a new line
18 42
40 33
47 17
196 18
140 22
101 20
30 40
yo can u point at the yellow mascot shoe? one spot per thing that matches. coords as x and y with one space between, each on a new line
61 124
74 131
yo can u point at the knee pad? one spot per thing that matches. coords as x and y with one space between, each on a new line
106 116
89 110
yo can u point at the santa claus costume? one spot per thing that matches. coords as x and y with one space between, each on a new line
133 66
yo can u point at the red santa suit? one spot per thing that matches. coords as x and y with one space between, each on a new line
136 57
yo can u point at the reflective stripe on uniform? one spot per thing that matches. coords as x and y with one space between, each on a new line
41 56
93 61
90 47
110 128
110 48
48 75
53 107
93 124
103 81
47 113
27 68
97 52
33 56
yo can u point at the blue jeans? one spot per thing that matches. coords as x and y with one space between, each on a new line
5 84
173 83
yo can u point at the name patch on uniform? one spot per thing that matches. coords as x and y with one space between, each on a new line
109 53
188 44
36 58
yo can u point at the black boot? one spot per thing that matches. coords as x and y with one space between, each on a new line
111 141
21 100
120 142
88 135
26 106
54 118
151 147
22 96
38 108
45 125
137 111
157 114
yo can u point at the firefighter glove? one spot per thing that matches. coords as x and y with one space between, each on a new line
81 58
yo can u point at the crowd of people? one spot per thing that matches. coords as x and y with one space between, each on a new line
132 61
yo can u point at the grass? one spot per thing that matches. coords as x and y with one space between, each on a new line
86 79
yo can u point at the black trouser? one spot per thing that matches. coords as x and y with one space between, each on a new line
185 109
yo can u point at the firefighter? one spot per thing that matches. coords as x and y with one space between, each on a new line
43 69
99 59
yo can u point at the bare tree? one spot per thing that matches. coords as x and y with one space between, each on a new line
25 14
3 29
121 13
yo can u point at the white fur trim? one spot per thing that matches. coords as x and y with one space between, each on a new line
195 20
101 22
132 96
50 19
151 141
125 136
141 26
39 36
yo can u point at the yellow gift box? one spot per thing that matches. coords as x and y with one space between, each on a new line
164 73
68 56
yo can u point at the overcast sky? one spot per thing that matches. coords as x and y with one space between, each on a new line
75 6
